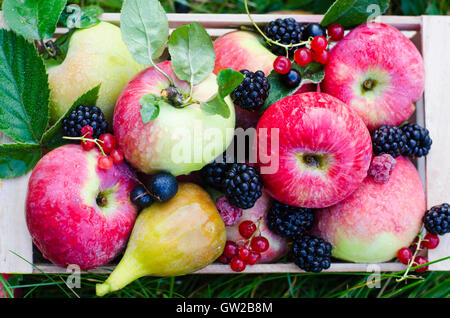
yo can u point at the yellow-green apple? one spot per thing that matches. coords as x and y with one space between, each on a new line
96 55
257 214
179 140
378 219
313 151
378 72
76 212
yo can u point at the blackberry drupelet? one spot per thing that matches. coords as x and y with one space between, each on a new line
242 185
82 116
312 254
437 219
285 31
213 173
252 92
289 221
417 140
388 139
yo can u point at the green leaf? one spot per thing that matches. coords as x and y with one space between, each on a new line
313 72
17 159
349 13
216 105
228 80
192 53
80 18
24 92
53 137
150 107
34 19
145 29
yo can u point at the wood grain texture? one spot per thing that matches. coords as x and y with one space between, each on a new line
435 47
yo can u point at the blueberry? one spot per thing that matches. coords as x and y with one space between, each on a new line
313 30
140 197
162 186
292 78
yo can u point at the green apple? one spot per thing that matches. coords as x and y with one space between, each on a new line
96 55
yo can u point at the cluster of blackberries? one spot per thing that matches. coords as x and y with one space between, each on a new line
240 182
437 219
252 92
85 116
285 31
409 140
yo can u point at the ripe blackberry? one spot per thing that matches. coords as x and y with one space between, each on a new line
289 221
310 253
437 219
82 116
388 139
252 91
213 173
285 31
417 140
242 185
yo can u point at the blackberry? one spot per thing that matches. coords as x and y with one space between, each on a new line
252 91
82 116
213 173
437 219
310 253
285 31
388 139
417 140
242 185
289 221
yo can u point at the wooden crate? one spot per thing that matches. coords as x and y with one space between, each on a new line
427 32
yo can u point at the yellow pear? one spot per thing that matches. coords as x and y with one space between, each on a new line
168 239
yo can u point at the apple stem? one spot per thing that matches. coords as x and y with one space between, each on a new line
368 84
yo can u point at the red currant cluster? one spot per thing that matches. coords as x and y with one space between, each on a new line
317 51
107 144
405 255
249 252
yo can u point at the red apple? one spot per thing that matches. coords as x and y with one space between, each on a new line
17 293
76 212
378 219
378 72
318 150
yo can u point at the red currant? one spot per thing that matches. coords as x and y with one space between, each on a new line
321 57
108 142
404 255
253 258
230 249
282 65
117 156
87 145
105 162
247 228
336 32
237 264
260 244
319 43
414 244
87 131
303 56
431 241
223 259
243 253
420 260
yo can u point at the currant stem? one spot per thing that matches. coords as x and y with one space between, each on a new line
257 230
84 139
410 263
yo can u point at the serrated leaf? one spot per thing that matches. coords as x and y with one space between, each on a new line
53 136
216 106
17 159
349 13
228 80
313 72
150 107
24 92
145 29
34 19
192 53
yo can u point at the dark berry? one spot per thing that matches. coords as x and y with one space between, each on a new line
140 197
282 65
404 255
247 228
289 221
417 140
285 31
252 92
260 244
223 259
162 186
291 79
310 253
85 116
303 56
335 32
437 219
182 7
214 172
313 30
242 185
431 241
388 139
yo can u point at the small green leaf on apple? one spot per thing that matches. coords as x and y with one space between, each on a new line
80 18
150 104
216 106
18 158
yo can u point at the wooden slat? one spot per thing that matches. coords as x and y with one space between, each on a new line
436 46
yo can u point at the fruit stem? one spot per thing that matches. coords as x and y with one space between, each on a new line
257 230
368 84
84 139
411 261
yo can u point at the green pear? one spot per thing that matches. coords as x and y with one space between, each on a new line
96 55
